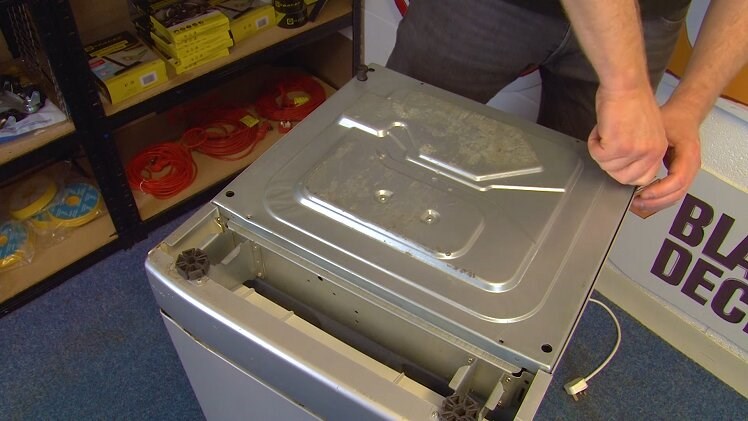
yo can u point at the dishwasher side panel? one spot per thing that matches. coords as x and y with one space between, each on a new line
226 392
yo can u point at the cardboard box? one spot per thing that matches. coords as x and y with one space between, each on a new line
209 41
183 22
176 67
247 17
124 66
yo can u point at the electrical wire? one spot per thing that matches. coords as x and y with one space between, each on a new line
166 169
615 347
162 170
231 140
578 386
278 103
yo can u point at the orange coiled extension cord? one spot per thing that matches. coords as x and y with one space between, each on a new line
162 170
231 140
165 169
278 103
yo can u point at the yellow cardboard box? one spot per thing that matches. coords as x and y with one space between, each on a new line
247 17
188 26
209 41
124 66
175 67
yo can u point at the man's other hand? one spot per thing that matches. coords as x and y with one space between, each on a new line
683 161
629 140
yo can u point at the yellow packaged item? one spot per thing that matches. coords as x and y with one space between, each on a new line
31 197
209 41
175 67
248 17
16 246
183 22
124 66
79 204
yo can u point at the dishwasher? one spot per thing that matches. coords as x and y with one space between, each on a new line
403 253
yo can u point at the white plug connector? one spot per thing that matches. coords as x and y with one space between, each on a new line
576 387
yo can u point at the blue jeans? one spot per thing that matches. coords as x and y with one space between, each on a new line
476 47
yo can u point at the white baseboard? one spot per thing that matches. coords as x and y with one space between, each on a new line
726 364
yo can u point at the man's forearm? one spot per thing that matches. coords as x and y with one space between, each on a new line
629 140
721 50
611 37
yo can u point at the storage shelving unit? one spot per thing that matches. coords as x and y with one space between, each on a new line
45 36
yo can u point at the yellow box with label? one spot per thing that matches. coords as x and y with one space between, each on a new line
247 17
207 42
187 28
176 67
124 66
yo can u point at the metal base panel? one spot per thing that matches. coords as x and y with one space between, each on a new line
448 242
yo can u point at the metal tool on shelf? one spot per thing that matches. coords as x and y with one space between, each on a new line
17 100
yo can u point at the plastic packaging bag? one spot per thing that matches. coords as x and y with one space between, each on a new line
16 245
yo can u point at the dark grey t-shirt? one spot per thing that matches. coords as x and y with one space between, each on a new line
649 8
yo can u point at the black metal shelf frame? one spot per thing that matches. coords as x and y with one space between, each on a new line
57 150
57 34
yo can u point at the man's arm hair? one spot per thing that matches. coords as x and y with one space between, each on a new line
629 140
610 34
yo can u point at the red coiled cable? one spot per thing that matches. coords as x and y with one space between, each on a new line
162 170
165 169
277 103
231 140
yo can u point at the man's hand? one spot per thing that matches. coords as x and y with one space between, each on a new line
683 161
629 140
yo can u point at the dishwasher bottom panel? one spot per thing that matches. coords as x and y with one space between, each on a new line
228 388
267 333
225 391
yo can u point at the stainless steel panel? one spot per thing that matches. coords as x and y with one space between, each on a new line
225 391
272 348
484 226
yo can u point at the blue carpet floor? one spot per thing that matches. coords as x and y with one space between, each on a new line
95 348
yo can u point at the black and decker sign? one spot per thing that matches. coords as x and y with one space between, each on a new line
700 265
695 256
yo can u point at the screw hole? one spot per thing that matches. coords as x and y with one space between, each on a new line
546 348
229 193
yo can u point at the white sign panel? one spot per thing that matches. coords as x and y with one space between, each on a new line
694 255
